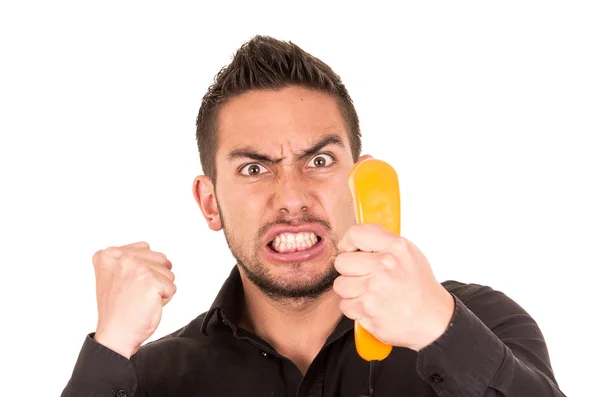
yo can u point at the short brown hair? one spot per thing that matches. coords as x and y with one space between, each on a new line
267 63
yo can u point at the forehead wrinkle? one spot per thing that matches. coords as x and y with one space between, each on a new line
287 160
294 155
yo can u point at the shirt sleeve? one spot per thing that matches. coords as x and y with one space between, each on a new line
492 348
101 372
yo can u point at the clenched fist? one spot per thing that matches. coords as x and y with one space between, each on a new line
386 283
133 284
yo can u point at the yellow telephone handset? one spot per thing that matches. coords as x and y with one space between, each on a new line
376 193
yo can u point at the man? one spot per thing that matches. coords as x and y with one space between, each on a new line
277 134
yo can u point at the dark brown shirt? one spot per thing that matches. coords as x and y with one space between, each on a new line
491 348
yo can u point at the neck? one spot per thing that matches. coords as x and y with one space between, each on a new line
296 328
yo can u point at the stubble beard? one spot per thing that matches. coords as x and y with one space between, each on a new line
295 288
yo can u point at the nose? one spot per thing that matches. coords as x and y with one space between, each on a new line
292 196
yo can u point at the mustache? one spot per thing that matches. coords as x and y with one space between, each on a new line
293 222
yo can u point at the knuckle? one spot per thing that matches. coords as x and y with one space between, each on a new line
373 285
370 305
162 258
171 275
96 258
389 260
129 261
112 252
354 231
398 244
170 290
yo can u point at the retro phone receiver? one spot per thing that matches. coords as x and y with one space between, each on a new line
376 193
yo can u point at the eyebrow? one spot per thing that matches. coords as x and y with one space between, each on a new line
253 154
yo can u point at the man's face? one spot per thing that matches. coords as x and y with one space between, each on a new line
282 163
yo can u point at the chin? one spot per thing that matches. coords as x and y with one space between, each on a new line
293 281
291 262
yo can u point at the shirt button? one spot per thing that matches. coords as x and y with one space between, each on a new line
121 393
264 354
436 378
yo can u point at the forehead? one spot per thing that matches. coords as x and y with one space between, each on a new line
288 119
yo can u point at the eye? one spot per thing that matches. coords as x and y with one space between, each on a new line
321 160
252 169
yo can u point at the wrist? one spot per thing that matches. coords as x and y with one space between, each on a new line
441 315
115 344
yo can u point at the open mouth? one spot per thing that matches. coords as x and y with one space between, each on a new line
294 242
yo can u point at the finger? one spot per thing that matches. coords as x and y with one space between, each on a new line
168 274
137 245
167 300
115 253
369 237
352 308
166 288
350 287
155 257
162 270
356 263
367 323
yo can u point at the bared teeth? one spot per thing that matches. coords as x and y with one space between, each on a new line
291 242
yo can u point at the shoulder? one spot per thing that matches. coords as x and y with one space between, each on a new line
466 291
492 306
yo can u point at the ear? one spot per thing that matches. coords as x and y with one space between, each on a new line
204 193
364 157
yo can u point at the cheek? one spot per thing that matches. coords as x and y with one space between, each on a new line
241 209
341 208
346 211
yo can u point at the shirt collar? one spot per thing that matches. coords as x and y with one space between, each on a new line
229 300
229 305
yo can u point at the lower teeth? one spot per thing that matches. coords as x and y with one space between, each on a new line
294 249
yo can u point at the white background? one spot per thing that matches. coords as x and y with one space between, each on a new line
489 111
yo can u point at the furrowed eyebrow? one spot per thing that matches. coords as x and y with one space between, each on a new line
253 154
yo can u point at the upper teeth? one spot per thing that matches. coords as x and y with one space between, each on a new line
287 242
